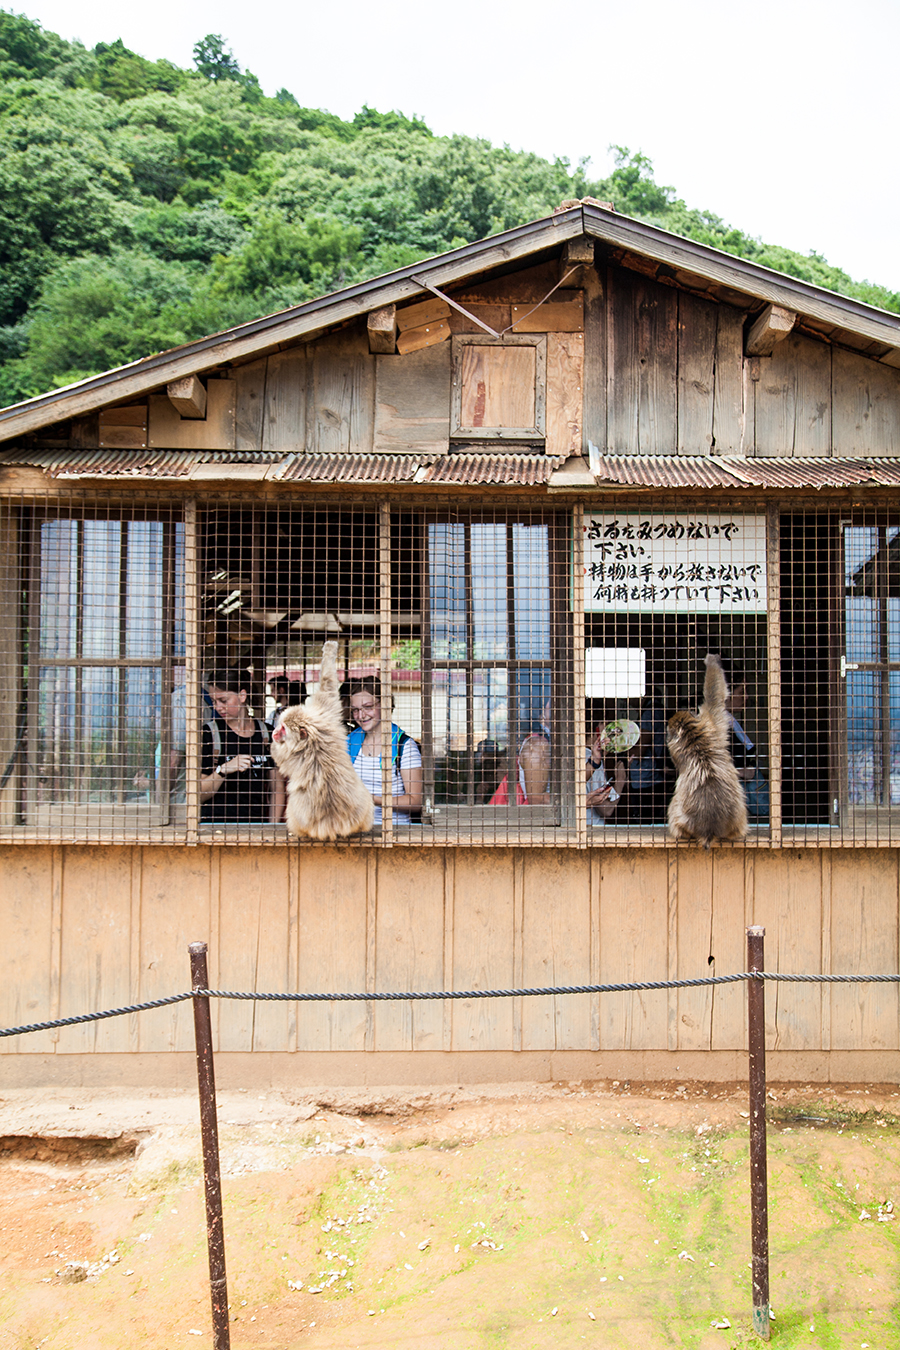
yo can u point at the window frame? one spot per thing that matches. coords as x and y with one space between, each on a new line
95 819
537 431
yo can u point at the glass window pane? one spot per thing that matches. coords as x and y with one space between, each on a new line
101 582
54 752
59 588
531 570
144 589
448 591
864 738
489 567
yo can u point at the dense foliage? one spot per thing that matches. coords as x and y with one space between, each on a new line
142 205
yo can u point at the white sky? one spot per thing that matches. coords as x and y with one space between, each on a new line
780 117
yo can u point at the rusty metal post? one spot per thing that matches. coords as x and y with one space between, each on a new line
759 1201
209 1132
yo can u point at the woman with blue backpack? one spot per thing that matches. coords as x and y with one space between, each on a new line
364 748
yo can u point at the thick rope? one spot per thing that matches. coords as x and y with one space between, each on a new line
418 996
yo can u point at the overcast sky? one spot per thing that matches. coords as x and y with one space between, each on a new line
780 117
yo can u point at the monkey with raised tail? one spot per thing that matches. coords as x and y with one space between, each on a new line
325 798
708 802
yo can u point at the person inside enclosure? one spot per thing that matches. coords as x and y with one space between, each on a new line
364 748
533 768
742 748
604 792
238 780
651 775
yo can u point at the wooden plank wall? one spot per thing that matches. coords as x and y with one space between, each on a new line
87 929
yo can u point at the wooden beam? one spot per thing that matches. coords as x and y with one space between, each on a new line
382 326
188 396
772 326
576 253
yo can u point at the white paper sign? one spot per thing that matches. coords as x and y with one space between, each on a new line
666 562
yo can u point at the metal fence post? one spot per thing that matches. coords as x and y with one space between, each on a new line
759 1202
209 1133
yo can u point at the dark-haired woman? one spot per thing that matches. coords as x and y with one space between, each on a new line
238 781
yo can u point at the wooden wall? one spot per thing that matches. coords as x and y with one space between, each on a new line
662 372
89 928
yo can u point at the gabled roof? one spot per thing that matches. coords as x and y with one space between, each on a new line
666 256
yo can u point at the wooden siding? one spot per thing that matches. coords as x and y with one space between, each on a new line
90 928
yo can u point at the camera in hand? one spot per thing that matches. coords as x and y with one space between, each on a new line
258 762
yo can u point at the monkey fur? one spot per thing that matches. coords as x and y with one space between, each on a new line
708 802
325 798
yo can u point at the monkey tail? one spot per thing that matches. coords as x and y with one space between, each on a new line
715 687
328 682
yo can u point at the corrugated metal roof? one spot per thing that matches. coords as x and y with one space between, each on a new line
502 470
672 471
506 470
348 469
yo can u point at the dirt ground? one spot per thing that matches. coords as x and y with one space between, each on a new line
608 1213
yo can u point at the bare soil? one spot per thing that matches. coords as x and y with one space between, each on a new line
530 1216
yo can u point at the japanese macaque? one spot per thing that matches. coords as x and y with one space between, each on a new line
325 798
708 802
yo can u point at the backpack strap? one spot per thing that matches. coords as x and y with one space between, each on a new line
212 726
355 740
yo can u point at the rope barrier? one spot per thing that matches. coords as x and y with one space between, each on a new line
633 987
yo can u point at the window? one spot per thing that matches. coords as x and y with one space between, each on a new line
106 722
870 666
499 388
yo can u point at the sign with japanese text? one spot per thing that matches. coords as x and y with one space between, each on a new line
674 562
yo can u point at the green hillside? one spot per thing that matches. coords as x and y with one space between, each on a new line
142 205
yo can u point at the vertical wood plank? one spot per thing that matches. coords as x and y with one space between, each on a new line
284 425
730 921
789 899
596 946
96 917
595 353
449 871
343 395
412 403
728 399
57 872
371 893
518 943
409 945
250 406
556 949
695 890
272 1021
634 918
332 946
793 399
865 889
293 942
672 950
26 984
134 946
827 944
697 323
643 386
174 912
866 406
483 948
565 392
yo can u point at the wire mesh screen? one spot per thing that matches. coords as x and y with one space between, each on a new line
506 675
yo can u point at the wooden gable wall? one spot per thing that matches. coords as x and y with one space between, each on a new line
646 368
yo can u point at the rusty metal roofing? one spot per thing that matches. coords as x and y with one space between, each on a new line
501 470
673 471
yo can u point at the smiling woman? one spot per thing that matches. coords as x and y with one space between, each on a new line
364 745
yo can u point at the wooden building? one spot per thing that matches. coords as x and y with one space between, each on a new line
533 481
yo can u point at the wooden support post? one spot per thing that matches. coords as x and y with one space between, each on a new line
771 327
382 326
759 1200
209 1133
188 396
